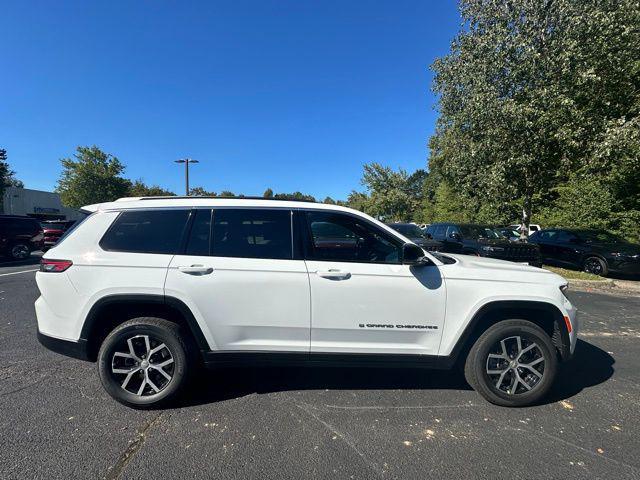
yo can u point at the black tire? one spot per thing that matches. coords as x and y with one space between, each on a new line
19 251
478 364
596 266
116 346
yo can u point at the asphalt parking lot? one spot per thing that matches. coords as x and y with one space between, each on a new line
57 422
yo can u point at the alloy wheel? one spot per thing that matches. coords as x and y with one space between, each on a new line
515 365
20 252
142 365
593 265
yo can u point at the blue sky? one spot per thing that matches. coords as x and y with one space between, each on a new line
292 95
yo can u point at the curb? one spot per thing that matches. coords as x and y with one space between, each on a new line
608 284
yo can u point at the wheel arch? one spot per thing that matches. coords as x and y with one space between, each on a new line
546 315
110 311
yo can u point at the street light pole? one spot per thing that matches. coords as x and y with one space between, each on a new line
186 162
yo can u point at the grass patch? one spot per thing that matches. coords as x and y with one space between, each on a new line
574 274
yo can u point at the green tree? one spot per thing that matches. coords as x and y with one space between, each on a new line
93 176
299 196
268 193
329 200
201 192
393 195
139 189
357 201
7 176
533 92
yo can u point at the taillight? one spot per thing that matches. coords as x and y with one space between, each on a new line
56 266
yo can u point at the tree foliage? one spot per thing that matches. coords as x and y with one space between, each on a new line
92 176
391 195
539 99
7 176
138 188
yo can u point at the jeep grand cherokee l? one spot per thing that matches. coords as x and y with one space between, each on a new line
152 287
483 241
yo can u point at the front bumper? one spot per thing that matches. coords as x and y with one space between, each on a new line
626 266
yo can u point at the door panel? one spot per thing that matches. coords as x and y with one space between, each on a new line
246 303
376 308
238 275
363 299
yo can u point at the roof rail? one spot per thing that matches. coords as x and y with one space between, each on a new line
179 197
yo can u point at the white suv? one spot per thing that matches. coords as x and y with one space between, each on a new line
153 287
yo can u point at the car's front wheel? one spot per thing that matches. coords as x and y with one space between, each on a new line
144 362
596 266
513 363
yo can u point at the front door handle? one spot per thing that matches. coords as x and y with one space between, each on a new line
334 274
195 269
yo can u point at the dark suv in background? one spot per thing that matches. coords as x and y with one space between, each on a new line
593 251
19 236
483 241
417 236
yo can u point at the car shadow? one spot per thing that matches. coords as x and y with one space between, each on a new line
591 366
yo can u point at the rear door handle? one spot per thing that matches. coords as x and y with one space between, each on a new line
334 274
195 269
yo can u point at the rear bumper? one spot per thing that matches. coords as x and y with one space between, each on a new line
68 348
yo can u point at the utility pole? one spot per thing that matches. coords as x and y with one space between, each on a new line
186 162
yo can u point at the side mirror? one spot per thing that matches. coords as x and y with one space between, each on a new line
412 254
429 236
455 236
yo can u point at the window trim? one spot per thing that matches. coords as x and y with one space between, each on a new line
308 237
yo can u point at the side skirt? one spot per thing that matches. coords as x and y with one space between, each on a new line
318 359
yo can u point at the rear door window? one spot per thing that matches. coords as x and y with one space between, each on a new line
252 233
148 231
200 235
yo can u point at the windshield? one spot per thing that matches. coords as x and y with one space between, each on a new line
507 232
479 231
408 230
598 236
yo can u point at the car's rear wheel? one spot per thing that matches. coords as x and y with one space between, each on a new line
144 362
20 251
513 363
596 266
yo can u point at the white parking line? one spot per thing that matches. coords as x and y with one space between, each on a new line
16 273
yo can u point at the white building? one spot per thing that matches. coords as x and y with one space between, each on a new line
38 204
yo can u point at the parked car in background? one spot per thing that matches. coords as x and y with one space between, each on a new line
508 233
19 236
483 241
593 251
532 228
417 236
53 230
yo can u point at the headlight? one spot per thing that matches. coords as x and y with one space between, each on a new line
625 255
564 288
493 249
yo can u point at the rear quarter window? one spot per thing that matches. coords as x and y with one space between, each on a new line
146 231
